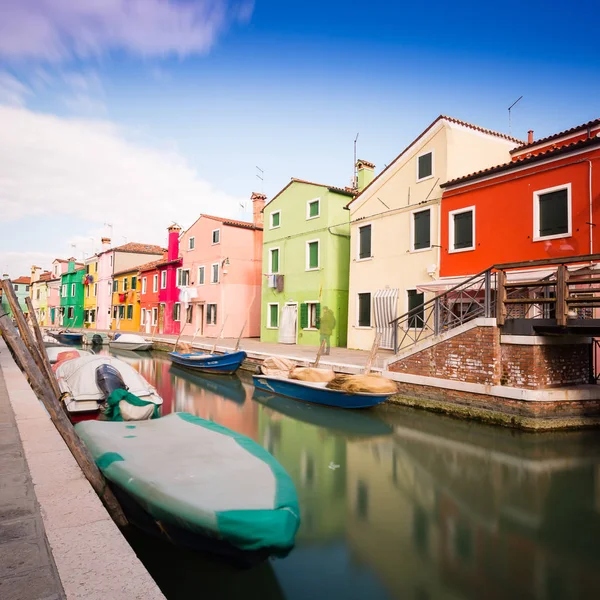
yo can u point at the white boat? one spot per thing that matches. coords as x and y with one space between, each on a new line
130 341
56 349
82 396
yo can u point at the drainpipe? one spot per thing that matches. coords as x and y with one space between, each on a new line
591 196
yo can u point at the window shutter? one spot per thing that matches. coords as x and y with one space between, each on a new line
313 255
463 230
274 261
214 314
364 250
425 165
303 315
554 213
422 229
318 315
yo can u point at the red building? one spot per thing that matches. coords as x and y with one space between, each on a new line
542 204
149 277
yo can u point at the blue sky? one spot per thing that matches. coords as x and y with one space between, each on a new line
143 116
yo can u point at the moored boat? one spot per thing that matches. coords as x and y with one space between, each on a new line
198 484
94 338
224 364
54 350
67 337
130 341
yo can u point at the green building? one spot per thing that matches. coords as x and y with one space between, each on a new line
306 254
71 296
21 287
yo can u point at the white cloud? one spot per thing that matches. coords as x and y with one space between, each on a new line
12 91
55 30
86 170
18 264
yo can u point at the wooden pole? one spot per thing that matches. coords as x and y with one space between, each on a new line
319 352
562 276
42 348
214 348
237 344
61 421
373 353
500 298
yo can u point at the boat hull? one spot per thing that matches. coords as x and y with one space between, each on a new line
317 393
69 338
131 346
224 364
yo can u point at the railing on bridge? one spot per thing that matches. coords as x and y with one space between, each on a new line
560 295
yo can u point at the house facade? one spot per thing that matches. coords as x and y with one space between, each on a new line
71 296
39 294
90 285
395 224
169 317
126 301
545 201
220 276
305 263
21 287
149 277
59 266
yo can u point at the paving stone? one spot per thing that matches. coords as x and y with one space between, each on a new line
8 480
22 556
40 585
16 503
17 530
11 464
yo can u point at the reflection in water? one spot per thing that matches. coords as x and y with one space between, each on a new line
398 503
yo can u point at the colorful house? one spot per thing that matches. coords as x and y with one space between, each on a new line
395 223
21 286
220 276
39 294
149 277
59 266
169 314
71 296
90 285
116 260
126 300
305 263
546 201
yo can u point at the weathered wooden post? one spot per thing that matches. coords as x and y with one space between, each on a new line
500 298
41 389
562 275
319 352
237 344
373 353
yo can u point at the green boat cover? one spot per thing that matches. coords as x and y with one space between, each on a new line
200 476
113 409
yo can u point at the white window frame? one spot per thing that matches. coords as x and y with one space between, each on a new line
207 312
269 324
144 284
432 165
72 290
202 270
154 315
163 280
177 311
218 231
127 312
451 249
155 283
142 316
180 277
212 273
63 291
318 201
310 303
191 243
70 312
370 326
412 229
271 226
125 283
358 258
309 268
271 261
536 213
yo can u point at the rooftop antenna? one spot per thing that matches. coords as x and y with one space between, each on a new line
509 115
111 229
260 174
355 182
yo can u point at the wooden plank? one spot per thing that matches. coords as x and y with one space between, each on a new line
500 298
562 293
237 344
530 301
373 353
545 262
528 284
319 352
573 282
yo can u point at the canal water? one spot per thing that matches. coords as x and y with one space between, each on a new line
396 503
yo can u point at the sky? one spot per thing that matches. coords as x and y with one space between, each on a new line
120 117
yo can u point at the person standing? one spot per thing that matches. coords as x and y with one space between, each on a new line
326 328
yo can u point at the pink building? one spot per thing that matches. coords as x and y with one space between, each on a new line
168 293
221 275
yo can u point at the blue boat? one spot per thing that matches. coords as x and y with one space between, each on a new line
66 337
317 392
224 364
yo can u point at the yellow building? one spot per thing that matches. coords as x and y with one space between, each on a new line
126 301
90 292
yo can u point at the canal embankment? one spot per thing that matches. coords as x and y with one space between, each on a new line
56 538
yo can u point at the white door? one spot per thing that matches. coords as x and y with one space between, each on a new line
289 324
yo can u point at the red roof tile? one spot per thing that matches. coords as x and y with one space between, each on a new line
137 248
22 279
152 265
233 222
554 136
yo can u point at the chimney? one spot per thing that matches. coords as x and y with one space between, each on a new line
105 244
35 273
258 205
173 245
365 173
530 136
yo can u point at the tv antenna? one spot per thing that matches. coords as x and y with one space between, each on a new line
260 174
509 114
111 229
355 181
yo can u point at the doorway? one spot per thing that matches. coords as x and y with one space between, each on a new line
288 328
161 318
200 319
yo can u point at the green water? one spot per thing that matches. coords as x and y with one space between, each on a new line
398 503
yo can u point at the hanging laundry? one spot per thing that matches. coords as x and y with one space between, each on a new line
279 283
122 297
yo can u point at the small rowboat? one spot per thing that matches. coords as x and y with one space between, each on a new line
317 392
198 484
66 337
225 364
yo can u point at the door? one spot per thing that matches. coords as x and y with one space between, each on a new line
199 320
385 305
161 318
288 327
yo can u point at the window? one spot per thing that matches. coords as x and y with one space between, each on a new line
462 229
134 283
211 314
70 312
421 230
37 294
86 316
216 236
552 212
121 311
143 317
191 243
214 275
189 312
183 277
144 284
87 291
115 285
72 290
177 312
16 287
273 315
312 209
163 280
125 284
425 166
130 311
87 268
312 255
201 275
154 313
274 260
275 219
155 283
95 290
93 316
114 312
416 319
26 288
364 242
63 291
364 309
310 313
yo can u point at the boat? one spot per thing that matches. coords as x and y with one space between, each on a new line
83 397
67 337
198 484
54 350
94 338
317 392
130 341
224 364
229 387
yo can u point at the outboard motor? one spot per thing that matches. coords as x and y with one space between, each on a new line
108 380
96 340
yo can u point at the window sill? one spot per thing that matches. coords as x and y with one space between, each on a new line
311 218
314 269
272 327
275 227
471 248
215 282
309 329
413 251
363 327
552 237
364 259
426 178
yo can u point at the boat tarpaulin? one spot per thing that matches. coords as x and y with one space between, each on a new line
385 307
